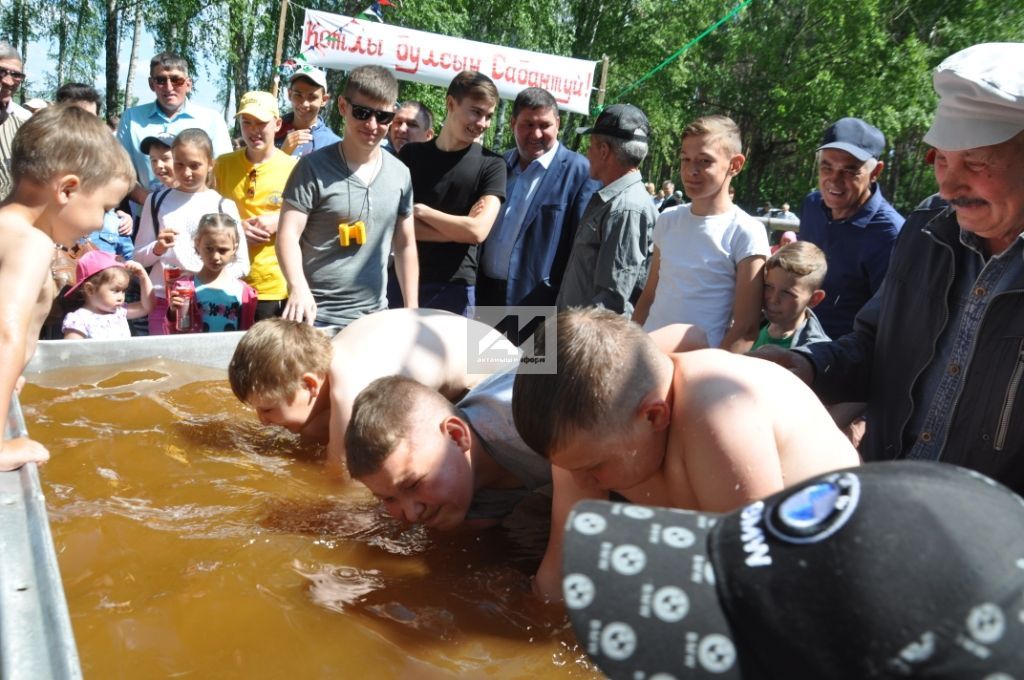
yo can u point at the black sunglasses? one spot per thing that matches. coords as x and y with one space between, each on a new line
18 76
176 81
364 113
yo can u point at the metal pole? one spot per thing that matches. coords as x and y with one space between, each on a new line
604 81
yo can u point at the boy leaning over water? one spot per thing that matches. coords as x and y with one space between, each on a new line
702 430
66 175
296 377
792 286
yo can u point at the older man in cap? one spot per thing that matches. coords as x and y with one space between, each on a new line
611 253
850 220
939 353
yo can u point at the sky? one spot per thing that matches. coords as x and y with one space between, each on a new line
38 64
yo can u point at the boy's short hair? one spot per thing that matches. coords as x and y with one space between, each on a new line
78 92
373 82
65 139
273 355
169 61
382 416
606 366
721 129
474 85
802 259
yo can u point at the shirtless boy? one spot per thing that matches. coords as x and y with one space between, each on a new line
705 430
298 378
66 175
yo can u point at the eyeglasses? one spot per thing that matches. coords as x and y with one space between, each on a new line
176 81
16 76
364 113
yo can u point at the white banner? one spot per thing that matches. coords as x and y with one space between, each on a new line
336 41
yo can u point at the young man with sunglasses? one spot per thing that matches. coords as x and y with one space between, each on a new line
171 112
459 188
254 178
346 207
11 115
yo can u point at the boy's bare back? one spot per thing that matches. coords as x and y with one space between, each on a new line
741 428
428 345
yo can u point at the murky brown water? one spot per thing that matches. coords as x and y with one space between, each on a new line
193 543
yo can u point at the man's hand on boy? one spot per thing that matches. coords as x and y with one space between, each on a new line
295 139
300 307
800 365
16 452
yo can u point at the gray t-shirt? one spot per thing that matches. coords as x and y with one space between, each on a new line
347 282
488 408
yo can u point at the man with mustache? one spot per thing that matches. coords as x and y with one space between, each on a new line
938 353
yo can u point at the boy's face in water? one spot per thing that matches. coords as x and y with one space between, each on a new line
291 413
428 478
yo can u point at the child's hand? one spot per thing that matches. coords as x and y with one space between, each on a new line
164 241
124 224
135 269
295 139
256 231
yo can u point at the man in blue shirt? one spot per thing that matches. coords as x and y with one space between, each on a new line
171 112
549 187
850 220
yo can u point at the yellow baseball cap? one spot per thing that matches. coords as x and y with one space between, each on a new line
260 105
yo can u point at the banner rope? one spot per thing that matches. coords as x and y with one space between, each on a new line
678 53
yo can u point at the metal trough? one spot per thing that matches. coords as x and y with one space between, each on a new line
36 639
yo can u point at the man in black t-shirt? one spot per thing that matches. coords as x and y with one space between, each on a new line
458 187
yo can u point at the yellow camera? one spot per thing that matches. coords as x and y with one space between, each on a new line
349 233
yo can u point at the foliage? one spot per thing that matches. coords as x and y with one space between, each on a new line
782 69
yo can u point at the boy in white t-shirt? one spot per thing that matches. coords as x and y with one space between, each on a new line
709 254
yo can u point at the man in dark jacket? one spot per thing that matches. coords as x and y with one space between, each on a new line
938 353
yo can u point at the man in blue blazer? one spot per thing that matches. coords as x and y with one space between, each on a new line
524 256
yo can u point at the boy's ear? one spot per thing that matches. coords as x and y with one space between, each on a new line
736 164
458 430
313 383
655 411
816 297
66 186
277 126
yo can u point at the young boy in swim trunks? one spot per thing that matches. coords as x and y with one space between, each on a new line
66 175
298 378
704 430
442 465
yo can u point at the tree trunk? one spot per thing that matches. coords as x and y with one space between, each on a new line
110 44
133 61
62 42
